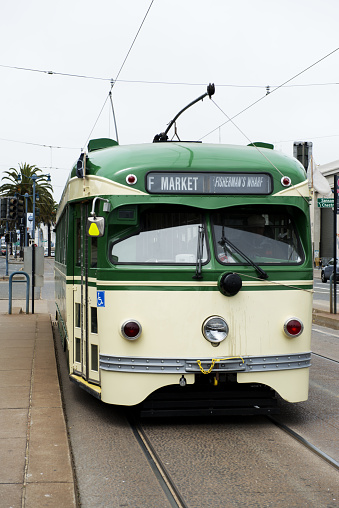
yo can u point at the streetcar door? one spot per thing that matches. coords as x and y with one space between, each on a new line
80 298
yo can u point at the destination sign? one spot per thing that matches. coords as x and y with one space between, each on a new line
208 183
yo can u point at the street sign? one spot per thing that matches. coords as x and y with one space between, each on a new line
325 202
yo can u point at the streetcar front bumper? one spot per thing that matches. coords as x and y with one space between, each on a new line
204 365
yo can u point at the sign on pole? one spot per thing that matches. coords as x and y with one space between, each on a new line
325 202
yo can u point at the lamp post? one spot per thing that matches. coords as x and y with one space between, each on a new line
34 178
26 196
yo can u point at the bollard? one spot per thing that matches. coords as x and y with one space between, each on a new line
10 290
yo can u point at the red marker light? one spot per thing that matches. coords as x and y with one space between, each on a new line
131 329
131 179
293 327
285 181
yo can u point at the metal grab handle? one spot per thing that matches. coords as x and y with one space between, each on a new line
10 290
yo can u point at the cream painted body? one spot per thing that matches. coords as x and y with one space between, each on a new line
172 328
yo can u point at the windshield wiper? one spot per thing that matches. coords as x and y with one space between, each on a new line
224 242
200 248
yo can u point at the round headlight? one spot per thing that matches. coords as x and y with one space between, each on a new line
215 329
131 329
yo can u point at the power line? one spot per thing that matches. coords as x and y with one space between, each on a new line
38 144
135 38
171 83
270 92
123 63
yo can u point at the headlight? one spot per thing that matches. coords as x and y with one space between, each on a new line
215 329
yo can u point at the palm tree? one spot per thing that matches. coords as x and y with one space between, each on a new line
43 188
48 217
25 186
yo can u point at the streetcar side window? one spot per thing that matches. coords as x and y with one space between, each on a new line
164 237
94 320
78 241
77 315
269 237
94 252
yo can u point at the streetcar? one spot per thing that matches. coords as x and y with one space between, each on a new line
184 275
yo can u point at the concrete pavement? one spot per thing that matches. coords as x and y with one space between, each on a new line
35 460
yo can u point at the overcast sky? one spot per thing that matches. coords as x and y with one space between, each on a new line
240 45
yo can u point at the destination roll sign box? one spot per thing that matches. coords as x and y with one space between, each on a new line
208 183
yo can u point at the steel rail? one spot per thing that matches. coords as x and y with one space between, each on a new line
325 357
171 492
304 442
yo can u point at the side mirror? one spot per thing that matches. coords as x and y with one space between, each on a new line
95 226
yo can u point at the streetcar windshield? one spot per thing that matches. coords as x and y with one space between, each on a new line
268 237
164 237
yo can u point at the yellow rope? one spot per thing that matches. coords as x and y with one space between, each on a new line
214 360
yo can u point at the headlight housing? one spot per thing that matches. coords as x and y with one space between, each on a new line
215 329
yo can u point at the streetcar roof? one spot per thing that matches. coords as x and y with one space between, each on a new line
113 162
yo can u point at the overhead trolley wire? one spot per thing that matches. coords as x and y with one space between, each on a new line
174 83
270 93
109 96
39 144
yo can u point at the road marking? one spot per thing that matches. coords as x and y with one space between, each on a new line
325 333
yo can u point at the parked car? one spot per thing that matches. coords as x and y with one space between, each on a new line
327 270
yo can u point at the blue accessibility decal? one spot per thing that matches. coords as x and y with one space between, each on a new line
100 298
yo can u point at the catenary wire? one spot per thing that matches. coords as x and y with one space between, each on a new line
257 148
119 72
151 82
271 91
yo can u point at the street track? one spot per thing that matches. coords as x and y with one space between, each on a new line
325 357
171 492
169 485
304 442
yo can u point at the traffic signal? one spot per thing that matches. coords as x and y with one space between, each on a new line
302 150
12 208
20 208
7 238
3 208
37 211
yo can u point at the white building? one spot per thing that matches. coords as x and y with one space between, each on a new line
322 218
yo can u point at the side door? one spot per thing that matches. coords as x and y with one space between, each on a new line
86 339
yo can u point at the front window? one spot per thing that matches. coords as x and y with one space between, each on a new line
164 237
268 237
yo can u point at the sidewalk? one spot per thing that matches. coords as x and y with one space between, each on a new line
321 311
35 463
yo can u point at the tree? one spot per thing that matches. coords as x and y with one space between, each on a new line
25 186
13 186
42 187
48 217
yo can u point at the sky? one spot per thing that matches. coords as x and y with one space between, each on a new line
179 47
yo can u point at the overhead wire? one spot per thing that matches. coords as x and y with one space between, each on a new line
152 82
38 144
257 148
109 96
270 93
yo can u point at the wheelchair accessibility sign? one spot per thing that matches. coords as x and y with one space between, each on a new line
100 298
